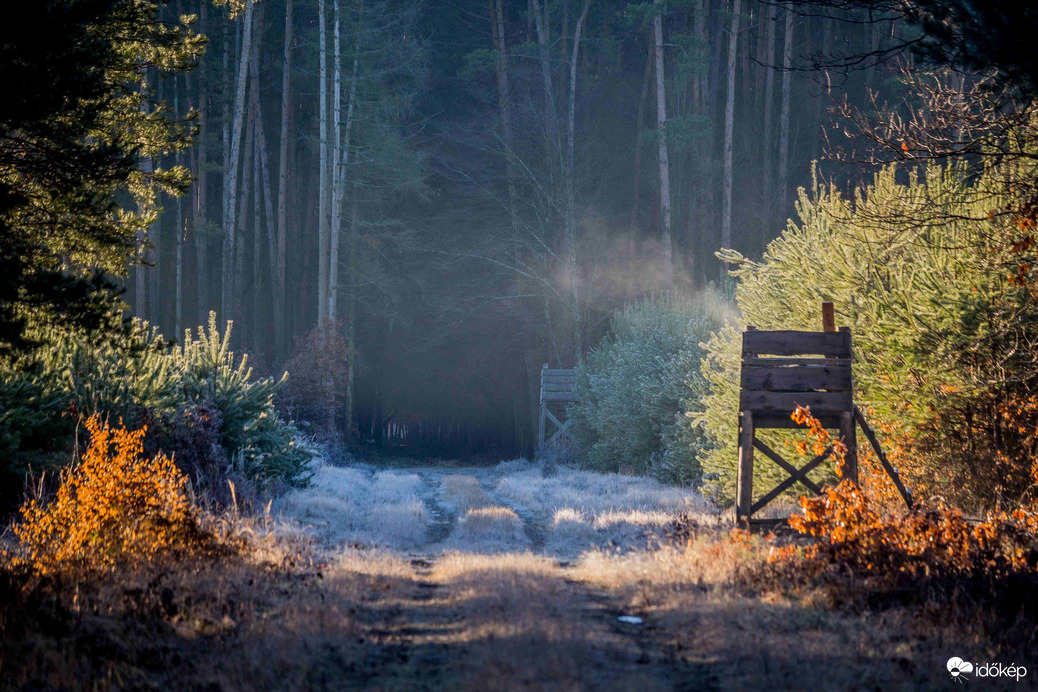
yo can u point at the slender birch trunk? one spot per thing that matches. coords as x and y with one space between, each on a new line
231 179
769 116
787 63
323 199
667 237
280 327
571 221
729 122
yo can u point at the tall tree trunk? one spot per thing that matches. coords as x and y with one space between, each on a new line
497 29
571 221
241 223
768 169
342 160
154 249
544 53
231 179
787 63
729 122
667 235
280 327
201 220
180 230
351 316
646 80
323 192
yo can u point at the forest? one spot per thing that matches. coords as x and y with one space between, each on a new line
295 293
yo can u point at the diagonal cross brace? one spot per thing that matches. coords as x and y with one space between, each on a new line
798 477
562 428
787 467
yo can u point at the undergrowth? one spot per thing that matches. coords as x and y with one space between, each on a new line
115 507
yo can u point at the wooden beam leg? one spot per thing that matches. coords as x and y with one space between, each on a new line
849 435
540 429
744 479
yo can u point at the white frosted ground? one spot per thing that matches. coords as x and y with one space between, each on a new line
505 508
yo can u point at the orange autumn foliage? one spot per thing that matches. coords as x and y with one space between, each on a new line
114 507
860 529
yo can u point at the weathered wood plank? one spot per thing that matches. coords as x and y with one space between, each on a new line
546 372
786 402
797 362
744 480
559 385
782 421
798 379
792 343
568 397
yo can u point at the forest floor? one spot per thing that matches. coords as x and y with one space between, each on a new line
482 578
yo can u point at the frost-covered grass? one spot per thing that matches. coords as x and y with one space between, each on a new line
345 506
486 510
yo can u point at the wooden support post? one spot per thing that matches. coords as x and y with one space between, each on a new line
887 466
744 479
828 318
848 433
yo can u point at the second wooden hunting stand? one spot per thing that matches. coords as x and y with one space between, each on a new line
810 369
558 389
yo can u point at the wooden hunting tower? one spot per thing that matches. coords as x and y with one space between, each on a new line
558 389
811 369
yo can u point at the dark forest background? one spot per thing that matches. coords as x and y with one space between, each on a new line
467 189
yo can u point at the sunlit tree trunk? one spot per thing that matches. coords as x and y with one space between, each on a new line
787 63
729 122
769 116
231 176
667 239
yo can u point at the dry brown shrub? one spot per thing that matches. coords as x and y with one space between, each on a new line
114 507
319 371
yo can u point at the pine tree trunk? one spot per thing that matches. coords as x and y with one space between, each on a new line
201 229
280 326
667 237
154 249
646 80
571 221
729 122
336 192
497 29
231 179
769 116
342 161
787 62
323 191
544 54
241 221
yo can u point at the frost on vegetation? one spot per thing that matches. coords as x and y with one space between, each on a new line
346 505
492 529
460 493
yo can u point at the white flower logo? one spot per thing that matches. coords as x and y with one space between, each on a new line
958 668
